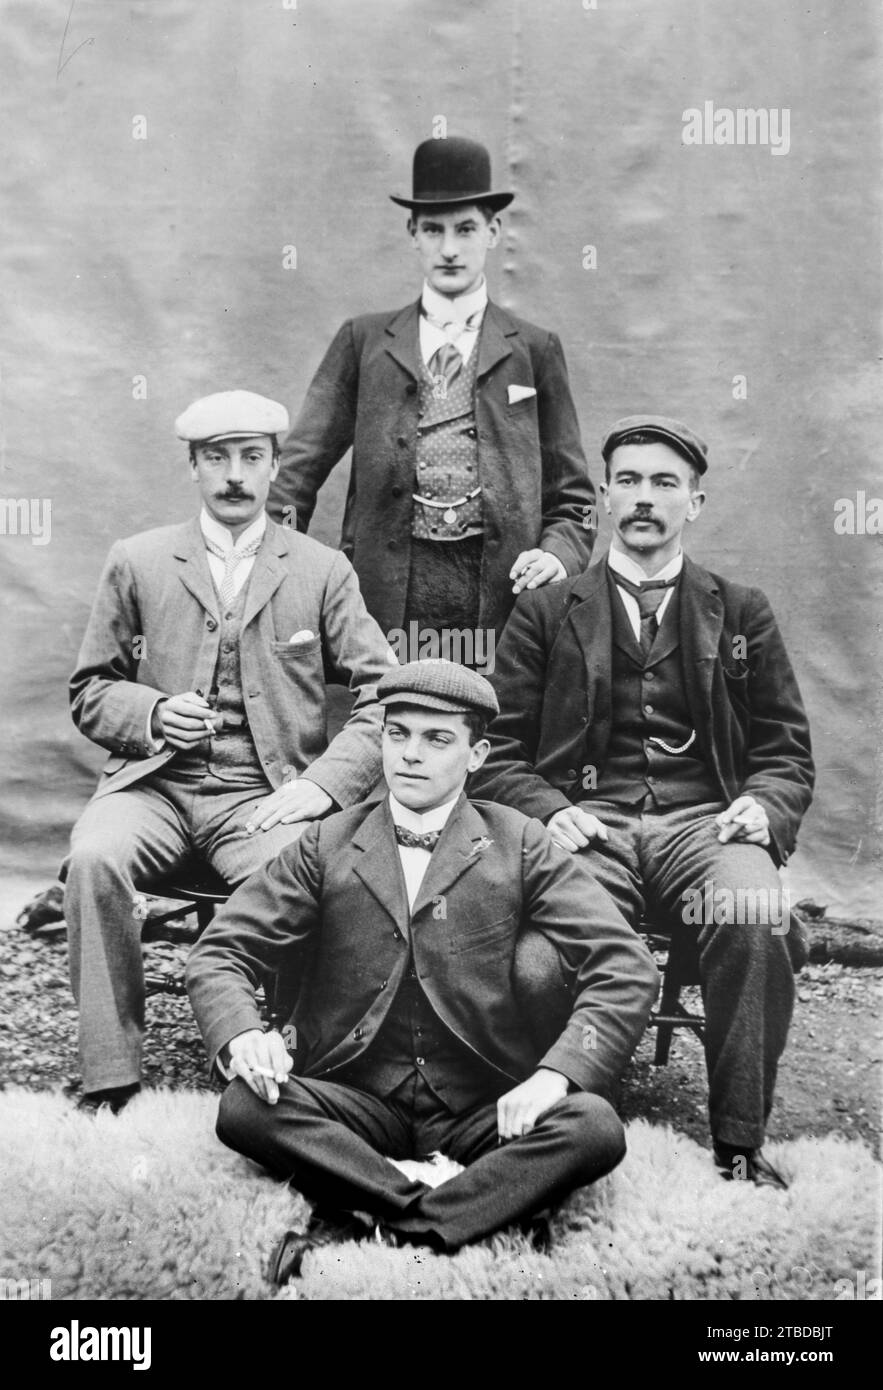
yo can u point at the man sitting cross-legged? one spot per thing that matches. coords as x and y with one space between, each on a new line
410 1039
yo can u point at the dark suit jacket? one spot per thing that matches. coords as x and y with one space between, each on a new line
154 630
341 889
533 471
553 681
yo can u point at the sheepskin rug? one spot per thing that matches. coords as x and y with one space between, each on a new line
149 1205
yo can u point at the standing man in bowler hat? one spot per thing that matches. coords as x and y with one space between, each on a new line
203 673
650 717
410 1035
469 481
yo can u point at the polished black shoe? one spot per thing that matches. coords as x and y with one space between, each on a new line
323 1228
115 1098
747 1165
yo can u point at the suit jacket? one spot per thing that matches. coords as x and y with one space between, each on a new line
553 681
340 889
535 484
156 601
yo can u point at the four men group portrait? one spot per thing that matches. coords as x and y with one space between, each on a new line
449 890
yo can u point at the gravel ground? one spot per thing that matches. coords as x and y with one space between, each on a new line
830 1079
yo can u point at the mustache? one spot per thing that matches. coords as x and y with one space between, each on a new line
644 516
234 495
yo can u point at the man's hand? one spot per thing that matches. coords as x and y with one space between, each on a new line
533 568
519 1110
574 828
745 821
183 720
262 1060
293 801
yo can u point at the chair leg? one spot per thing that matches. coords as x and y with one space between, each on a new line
669 1004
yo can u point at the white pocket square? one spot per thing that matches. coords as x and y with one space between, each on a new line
297 639
520 393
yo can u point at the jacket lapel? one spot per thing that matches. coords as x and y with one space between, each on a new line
194 571
378 864
268 572
702 620
493 344
403 338
458 850
591 622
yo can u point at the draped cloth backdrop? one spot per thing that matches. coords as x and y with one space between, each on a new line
195 196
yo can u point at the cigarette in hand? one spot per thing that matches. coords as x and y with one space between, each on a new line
278 1076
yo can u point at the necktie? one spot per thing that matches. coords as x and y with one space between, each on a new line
443 365
232 559
649 595
446 361
411 840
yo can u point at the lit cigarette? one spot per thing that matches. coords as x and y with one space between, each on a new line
265 1071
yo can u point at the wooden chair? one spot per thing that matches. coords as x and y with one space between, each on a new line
198 890
681 968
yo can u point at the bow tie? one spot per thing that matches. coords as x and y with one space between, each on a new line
411 840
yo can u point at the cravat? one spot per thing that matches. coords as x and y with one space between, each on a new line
411 840
232 559
443 365
446 361
649 595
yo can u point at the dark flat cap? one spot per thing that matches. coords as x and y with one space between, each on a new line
679 436
437 683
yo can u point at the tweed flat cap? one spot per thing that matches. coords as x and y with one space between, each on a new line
437 684
231 415
680 437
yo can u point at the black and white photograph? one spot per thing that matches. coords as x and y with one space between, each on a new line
440 500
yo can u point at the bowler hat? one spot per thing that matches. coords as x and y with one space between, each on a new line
679 437
452 172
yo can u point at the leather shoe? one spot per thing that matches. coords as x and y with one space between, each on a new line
747 1165
115 1098
323 1228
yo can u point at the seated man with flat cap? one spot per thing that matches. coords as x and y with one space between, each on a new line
409 1036
468 481
651 719
203 673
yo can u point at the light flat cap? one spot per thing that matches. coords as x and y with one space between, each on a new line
231 415
437 683
672 432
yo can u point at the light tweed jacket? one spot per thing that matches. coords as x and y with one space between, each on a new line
155 630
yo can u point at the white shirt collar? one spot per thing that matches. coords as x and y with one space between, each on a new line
454 310
435 819
214 531
623 564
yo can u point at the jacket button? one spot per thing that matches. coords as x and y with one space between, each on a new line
411 388
391 545
648 709
210 624
648 675
421 1061
402 441
571 772
397 936
396 491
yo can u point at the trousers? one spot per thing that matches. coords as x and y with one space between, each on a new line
123 844
670 863
334 1142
